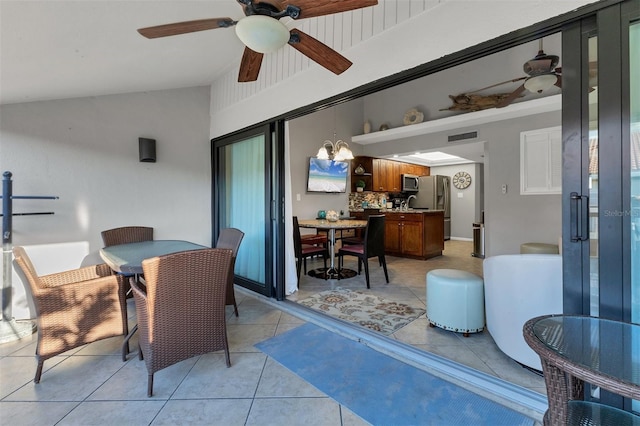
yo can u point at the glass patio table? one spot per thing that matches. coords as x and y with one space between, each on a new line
127 259
331 227
578 349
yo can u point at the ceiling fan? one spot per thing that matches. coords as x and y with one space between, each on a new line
542 73
262 32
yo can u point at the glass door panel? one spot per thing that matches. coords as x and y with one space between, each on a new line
634 149
592 90
242 176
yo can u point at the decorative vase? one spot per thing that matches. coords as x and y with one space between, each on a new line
359 189
367 127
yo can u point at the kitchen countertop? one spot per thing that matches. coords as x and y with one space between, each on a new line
411 210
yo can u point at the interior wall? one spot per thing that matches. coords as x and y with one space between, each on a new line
510 219
85 151
463 201
306 135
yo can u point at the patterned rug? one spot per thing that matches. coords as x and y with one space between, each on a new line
366 310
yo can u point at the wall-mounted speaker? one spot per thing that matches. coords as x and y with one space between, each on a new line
147 148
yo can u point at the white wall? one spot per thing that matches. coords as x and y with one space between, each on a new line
86 152
307 135
464 207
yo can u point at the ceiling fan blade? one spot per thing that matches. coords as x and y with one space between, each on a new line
498 84
186 27
512 97
319 52
249 66
311 8
558 82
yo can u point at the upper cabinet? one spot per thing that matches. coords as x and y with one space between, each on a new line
382 175
541 161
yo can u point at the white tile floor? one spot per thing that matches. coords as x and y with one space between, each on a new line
408 285
91 385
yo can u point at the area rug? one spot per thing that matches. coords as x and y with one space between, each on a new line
378 388
366 310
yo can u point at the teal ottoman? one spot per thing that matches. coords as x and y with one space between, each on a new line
455 301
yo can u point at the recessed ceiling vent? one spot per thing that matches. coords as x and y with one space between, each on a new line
462 136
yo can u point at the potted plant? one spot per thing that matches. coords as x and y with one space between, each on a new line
360 185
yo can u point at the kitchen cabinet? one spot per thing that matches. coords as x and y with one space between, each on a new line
383 175
414 234
386 175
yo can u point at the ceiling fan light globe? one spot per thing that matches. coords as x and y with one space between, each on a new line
262 34
540 83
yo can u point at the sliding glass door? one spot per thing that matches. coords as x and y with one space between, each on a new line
601 177
244 190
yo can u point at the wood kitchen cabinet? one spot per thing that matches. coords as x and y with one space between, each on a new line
383 175
417 235
386 175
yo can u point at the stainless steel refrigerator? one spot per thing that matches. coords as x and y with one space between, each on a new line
434 193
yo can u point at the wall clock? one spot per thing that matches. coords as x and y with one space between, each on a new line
461 180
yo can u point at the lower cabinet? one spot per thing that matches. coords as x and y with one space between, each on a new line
417 235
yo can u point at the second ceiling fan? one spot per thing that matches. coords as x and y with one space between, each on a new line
262 32
542 73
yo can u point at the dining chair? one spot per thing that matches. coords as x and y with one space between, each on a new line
182 312
372 246
126 235
359 237
74 307
230 238
303 251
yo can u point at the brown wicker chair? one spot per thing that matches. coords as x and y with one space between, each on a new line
230 238
74 307
126 234
182 313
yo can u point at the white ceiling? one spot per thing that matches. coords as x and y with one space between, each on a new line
65 49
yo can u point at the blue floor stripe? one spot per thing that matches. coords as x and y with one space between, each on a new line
378 388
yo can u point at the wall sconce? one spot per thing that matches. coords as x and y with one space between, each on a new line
339 150
147 150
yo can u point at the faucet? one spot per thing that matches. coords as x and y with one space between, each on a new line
408 200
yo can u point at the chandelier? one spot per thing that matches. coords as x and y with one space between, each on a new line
337 151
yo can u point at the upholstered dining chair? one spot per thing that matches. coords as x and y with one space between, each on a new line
372 246
230 238
74 307
303 251
182 312
359 238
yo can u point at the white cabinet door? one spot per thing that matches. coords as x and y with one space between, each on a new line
541 161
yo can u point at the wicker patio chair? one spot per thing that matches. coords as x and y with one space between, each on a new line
126 234
74 307
182 313
230 238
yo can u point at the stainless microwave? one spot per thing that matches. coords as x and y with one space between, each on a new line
409 183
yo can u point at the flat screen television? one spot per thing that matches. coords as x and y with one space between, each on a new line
327 175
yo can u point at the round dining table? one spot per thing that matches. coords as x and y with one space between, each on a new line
331 227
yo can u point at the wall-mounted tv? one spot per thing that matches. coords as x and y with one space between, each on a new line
327 175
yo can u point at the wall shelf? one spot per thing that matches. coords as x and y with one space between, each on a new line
521 109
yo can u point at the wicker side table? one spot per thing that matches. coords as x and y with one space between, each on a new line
578 349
